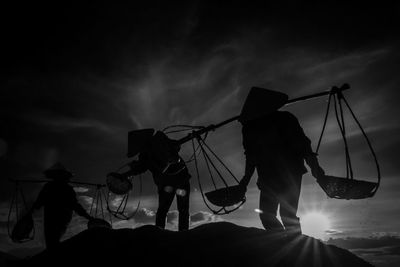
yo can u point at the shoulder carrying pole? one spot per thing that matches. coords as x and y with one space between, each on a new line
212 127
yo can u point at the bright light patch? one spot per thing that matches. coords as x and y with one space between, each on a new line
258 210
315 224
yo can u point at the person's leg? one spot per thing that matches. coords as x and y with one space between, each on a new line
53 231
165 198
289 201
268 211
182 198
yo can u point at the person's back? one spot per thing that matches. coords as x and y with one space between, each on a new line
276 146
58 200
175 175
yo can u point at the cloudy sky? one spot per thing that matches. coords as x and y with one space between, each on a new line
76 78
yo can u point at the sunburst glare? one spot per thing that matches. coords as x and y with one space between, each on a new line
315 224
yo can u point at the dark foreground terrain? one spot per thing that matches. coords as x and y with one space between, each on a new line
215 244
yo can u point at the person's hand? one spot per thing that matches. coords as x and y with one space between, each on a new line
243 185
317 172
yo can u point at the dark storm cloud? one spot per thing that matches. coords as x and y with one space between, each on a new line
79 77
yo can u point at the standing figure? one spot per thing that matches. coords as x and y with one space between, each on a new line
276 146
170 174
59 201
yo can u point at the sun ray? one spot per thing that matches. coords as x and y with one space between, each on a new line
315 224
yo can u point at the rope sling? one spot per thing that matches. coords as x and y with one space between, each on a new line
225 198
120 212
97 209
24 228
346 187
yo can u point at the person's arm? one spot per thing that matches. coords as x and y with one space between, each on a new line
138 166
79 209
248 173
316 169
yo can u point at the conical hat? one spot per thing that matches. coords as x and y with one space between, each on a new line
260 102
58 171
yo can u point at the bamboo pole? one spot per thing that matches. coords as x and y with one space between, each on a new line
212 127
33 180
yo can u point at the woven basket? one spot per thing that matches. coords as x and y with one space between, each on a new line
227 196
23 229
118 184
345 188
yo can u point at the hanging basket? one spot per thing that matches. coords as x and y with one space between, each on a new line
348 187
118 183
23 229
345 188
97 222
227 196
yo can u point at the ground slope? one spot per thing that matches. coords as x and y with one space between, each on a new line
214 244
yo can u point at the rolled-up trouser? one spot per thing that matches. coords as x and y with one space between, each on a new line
165 198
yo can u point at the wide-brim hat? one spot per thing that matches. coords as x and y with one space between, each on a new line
58 172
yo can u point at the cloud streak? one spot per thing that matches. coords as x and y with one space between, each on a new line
77 101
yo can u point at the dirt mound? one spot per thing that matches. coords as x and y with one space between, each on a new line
214 244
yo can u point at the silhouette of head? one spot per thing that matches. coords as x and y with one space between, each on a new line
261 102
138 140
58 172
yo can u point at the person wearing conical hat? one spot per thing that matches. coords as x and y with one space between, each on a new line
58 172
277 147
59 201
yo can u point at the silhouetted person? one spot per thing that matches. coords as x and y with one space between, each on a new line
174 180
59 201
276 146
